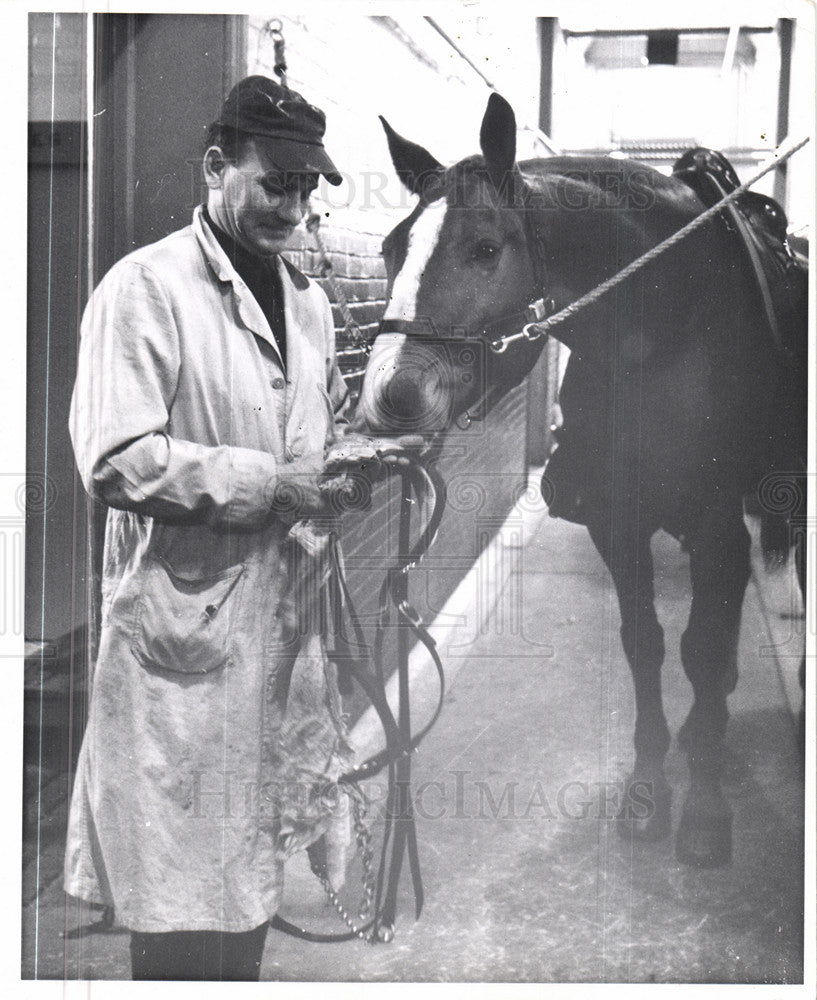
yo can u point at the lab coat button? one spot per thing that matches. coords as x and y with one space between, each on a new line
277 382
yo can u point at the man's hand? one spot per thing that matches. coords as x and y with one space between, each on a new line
295 493
354 462
358 453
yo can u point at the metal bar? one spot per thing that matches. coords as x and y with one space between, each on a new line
785 28
666 150
459 51
390 24
629 32
129 186
402 766
401 594
90 152
548 27
235 47
730 50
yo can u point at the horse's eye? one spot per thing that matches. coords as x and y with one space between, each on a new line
484 252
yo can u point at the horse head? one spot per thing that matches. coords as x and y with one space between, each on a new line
488 237
460 269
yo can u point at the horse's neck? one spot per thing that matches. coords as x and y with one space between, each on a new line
686 290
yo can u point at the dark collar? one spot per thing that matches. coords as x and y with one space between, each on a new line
242 260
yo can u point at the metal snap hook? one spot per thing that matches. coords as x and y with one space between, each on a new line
532 331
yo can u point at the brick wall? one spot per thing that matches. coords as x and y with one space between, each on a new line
407 73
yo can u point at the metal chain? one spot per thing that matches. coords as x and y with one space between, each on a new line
363 838
356 335
343 913
275 30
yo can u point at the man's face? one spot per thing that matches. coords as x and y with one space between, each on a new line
257 204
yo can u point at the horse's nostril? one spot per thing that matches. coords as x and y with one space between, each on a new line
416 399
406 388
405 394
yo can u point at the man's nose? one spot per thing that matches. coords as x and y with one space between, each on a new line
292 208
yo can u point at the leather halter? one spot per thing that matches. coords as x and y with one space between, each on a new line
495 332
492 334
534 312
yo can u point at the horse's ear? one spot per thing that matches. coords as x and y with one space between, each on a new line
415 166
497 139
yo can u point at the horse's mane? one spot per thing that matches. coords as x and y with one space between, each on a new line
600 192
595 174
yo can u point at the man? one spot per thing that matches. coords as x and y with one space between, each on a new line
206 397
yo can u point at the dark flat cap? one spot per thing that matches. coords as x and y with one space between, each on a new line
259 106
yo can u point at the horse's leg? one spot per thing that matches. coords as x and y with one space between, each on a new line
719 571
645 814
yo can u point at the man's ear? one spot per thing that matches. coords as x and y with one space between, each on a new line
213 167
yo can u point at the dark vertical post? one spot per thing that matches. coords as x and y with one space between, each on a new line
539 399
548 26
785 33
114 40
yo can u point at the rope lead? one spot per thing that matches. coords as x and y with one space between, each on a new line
533 330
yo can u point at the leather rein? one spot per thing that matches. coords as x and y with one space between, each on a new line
365 665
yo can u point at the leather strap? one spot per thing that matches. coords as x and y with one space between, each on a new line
750 246
399 826
534 312
712 177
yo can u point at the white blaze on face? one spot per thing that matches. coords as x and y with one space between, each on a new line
423 239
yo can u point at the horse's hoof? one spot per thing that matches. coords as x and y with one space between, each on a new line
646 813
704 841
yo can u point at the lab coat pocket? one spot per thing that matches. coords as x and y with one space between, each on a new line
185 625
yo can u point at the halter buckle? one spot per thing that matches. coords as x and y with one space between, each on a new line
541 309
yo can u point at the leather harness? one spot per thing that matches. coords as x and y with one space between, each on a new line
366 668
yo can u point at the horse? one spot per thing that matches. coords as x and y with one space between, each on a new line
676 402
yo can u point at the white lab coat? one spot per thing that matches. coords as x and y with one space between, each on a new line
210 687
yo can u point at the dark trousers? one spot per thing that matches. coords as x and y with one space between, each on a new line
198 955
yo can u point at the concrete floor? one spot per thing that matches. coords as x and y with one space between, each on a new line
526 879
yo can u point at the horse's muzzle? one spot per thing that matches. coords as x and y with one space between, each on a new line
406 388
